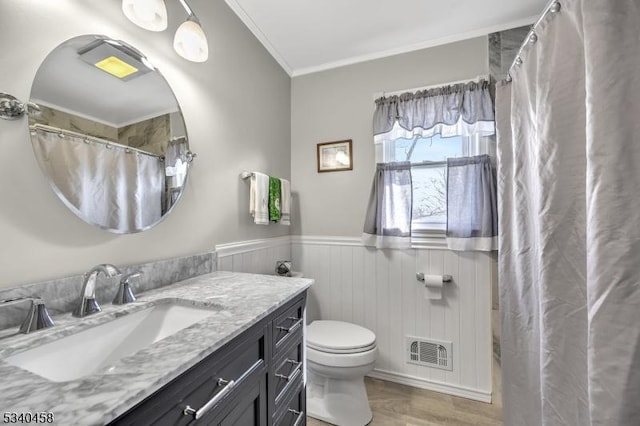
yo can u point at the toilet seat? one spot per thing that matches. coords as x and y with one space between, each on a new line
339 337
342 360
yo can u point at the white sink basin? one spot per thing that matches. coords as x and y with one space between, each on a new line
97 348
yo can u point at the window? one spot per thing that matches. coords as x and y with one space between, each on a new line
428 156
416 134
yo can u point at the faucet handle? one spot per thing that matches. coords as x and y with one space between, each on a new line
125 294
127 277
38 317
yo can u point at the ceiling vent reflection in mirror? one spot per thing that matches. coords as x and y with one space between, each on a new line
190 42
115 58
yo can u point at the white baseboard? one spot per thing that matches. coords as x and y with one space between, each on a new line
417 382
238 247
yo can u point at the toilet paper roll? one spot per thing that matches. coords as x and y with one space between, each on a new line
433 287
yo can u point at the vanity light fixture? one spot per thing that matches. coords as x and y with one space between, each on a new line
190 42
148 14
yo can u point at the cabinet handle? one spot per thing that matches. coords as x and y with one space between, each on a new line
294 326
294 373
300 415
228 385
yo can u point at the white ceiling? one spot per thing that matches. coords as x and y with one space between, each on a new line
67 83
307 36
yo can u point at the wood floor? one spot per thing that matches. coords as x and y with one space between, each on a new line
399 405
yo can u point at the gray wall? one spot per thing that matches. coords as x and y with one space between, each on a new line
338 104
503 48
237 109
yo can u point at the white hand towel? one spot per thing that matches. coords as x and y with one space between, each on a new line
285 202
258 198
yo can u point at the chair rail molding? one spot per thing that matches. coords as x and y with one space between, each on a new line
238 247
254 256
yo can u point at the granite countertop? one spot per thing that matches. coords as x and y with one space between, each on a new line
238 301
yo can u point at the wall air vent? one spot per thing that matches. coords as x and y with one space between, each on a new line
429 352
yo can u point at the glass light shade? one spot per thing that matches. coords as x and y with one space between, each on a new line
148 14
190 42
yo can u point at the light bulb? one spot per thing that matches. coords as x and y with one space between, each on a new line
148 14
190 41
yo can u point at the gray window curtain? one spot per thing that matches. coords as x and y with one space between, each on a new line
388 220
472 219
457 110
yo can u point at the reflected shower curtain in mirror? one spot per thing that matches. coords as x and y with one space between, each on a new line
569 229
106 187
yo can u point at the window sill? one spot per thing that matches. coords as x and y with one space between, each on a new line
428 239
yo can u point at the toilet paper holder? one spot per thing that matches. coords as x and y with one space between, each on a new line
445 278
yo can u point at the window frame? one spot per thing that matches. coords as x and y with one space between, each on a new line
433 235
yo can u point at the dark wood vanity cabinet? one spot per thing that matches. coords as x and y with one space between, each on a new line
257 379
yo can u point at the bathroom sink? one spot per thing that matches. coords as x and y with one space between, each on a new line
99 348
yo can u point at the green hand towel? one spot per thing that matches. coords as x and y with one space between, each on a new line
274 199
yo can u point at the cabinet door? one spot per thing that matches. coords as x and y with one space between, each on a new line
293 412
241 360
248 409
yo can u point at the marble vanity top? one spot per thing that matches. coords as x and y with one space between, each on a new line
240 300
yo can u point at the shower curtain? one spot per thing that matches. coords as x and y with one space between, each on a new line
109 188
569 208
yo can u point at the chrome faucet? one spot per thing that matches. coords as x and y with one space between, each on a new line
125 294
38 317
88 304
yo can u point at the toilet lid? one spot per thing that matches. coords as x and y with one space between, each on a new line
339 337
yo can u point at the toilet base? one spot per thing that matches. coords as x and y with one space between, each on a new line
338 401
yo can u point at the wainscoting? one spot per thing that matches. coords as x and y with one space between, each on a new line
256 256
378 290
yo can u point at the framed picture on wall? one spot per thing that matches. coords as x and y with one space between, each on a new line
335 156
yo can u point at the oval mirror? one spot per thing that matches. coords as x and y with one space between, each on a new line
110 135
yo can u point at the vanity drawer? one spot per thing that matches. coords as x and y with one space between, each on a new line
287 323
293 413
288 367
218 377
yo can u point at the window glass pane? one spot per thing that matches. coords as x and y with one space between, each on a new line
437 148
429 182
429 195
401 149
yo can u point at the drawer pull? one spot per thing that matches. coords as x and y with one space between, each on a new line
294 326
228 385
300 415
294 373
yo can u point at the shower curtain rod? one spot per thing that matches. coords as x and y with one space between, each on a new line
87 138
532 37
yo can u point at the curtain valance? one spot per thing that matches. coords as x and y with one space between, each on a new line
457 110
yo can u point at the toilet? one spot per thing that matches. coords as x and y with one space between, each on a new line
339 355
